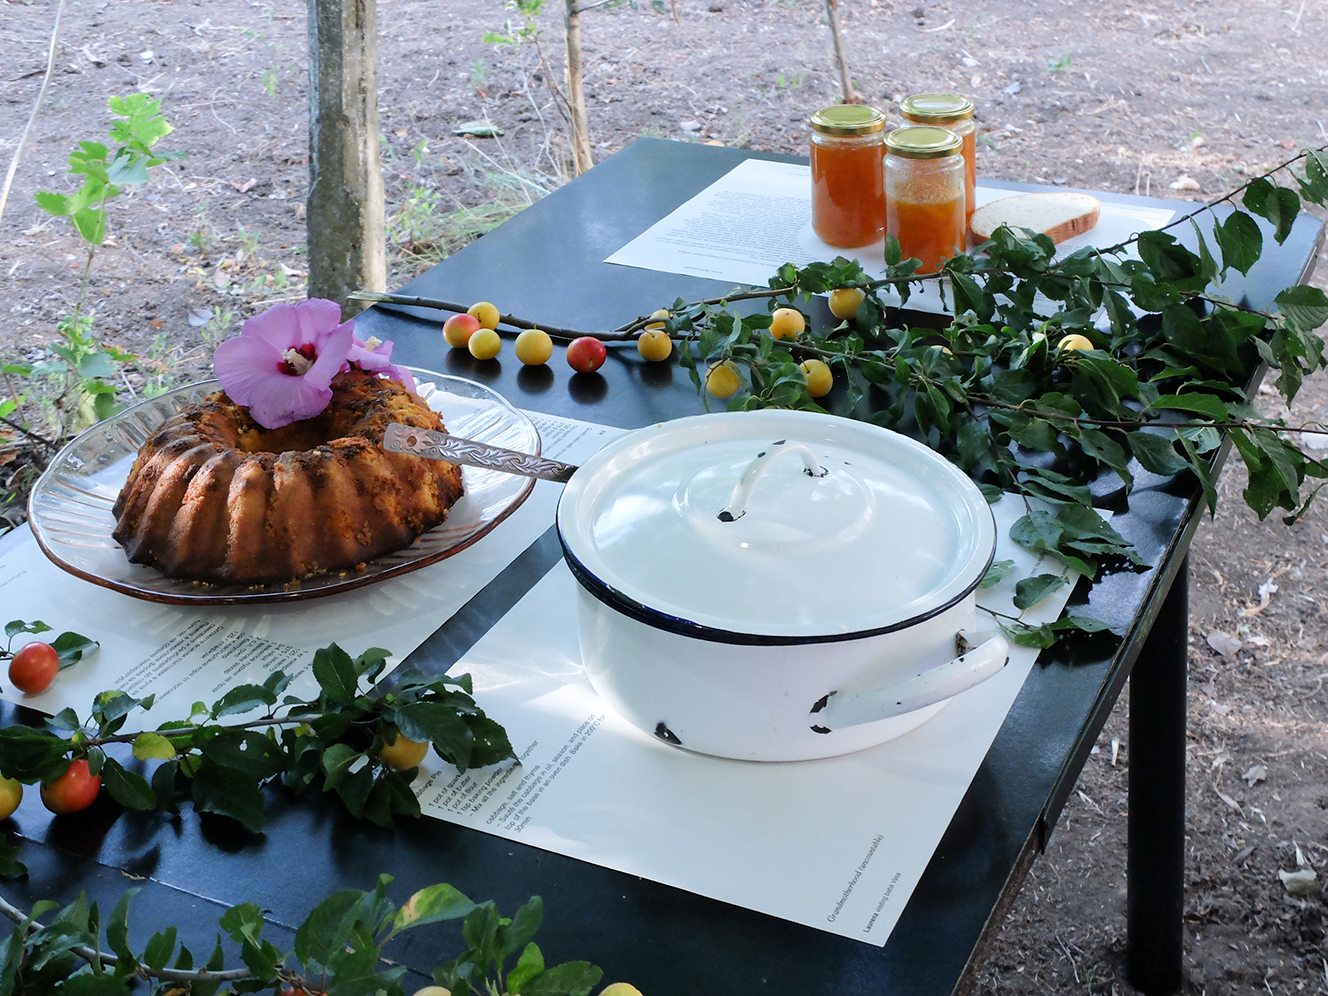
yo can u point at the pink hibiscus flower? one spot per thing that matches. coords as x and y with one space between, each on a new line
375 356
282 363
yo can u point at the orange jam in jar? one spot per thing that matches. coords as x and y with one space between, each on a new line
848 180
924 194
953 112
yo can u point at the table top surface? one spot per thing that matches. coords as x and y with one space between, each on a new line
546 264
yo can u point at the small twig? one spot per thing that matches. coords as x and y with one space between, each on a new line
620 334
848 94
1225 197
1108 423
36 437
1295 25
1069 957
32 118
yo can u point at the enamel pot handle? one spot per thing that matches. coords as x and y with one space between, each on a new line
981 656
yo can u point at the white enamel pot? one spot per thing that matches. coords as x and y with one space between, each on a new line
777 585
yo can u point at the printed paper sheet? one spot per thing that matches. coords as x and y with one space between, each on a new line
184 654
848 836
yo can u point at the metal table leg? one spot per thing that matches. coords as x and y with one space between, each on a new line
1156 850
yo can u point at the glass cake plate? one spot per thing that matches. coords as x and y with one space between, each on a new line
69 509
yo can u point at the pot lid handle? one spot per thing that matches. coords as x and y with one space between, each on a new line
742 492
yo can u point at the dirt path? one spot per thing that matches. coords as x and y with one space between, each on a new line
1185 98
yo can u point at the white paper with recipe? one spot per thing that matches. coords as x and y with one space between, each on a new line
836 844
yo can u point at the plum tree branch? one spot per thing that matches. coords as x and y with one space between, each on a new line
93 956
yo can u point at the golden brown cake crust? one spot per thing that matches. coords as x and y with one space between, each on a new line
214 496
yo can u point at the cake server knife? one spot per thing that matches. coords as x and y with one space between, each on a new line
442 446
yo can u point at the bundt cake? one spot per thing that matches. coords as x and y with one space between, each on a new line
214 496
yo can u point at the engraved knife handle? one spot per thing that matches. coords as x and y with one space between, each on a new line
443 446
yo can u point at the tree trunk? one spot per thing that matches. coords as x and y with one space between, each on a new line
845 80
344 219
576 95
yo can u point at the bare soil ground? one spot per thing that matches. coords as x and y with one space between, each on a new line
1117 96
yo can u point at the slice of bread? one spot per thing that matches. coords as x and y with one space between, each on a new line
1060 214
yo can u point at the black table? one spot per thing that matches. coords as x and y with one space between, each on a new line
546 264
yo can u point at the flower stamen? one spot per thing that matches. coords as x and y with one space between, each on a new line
296 361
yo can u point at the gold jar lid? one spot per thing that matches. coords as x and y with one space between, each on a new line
936 108
923 143
848 119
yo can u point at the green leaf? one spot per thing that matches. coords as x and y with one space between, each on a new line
1156 453
89 984
244 923
159 949
70 647
247 751
1053 487
128 167
243 698
1279 205
17 626
128 788
336 674
371 662
117 933
439 724
1304 306
529 965
437 902
10 867
31 755
354 788
1030 591
1028 636
153 746
1201 404
997 572
1170 262
1032 433
1314 187
95 365
1213 342
109 710
52 203
573 978
1103 448
228 792
1085 624
1200 468
163 786
337 761
145 126
326 930
491 742
1240 240
91 224
514 936
894 253
391 797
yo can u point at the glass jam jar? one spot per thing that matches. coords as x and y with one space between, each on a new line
924 194
848 181
949 110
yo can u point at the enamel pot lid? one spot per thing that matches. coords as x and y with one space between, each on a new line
774 527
